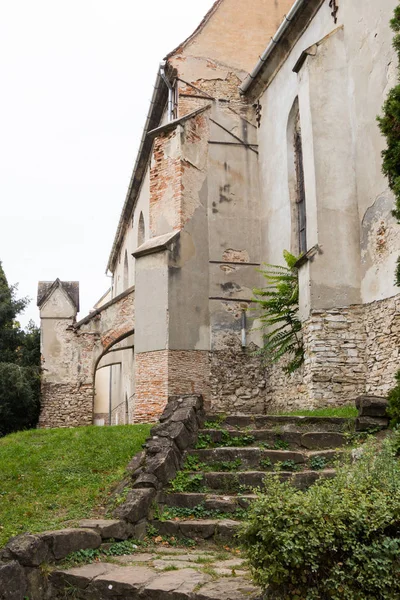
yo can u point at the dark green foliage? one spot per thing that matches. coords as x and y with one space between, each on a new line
318 463
200 512
338 540
19 364
19 406
11 335
394 402
185 482
279 314
389 125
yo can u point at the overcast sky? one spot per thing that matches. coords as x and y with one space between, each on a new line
76 82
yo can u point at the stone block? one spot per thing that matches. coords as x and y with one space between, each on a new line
65 541
136 506
29 550
366 423
13 584
146 480
316 439
107 528
371 406
163 465
136 462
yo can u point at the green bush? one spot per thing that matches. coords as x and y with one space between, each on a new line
394 402
338 540
19 397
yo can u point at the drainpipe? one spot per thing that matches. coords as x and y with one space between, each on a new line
243 329
170 92
109 396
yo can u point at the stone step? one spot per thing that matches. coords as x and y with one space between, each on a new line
258 458
281 423
245 481
198 529
293 439
223 503
162 574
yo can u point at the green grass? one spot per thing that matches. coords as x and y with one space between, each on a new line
341 411
50 476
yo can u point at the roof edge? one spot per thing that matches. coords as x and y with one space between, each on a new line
198 29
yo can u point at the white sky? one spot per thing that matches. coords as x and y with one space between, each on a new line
76 79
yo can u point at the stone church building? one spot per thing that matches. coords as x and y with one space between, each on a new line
261 136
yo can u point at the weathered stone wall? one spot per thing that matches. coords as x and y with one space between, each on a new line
382 322
66 405
237 379
335 360
285 392
348 352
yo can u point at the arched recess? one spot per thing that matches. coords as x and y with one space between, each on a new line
126 271
141 230
111 362
297 193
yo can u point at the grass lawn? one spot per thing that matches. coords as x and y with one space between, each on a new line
342 411
49 476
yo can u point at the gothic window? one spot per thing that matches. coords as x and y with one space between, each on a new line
126 271
141 230
300 189
296 182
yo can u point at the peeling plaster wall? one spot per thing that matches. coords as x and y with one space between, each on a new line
131 237
70 353
348 202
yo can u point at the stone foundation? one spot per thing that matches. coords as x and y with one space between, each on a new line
285 392
65 405
237 379
382 324
335 359
349 351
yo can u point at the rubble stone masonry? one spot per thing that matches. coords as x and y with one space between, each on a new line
66 405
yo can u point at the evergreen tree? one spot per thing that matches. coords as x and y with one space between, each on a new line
389 125
19 363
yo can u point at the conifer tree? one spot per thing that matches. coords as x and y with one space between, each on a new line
19 363
389 125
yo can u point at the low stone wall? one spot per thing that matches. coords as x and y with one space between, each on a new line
335 360
382 323
158 464
285 392
349 351
238 379
66 405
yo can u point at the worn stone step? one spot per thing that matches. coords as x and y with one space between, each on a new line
201 529
245 481
157 575
281 423
294 439
249 457
224 503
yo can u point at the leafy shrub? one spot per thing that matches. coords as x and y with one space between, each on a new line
19 401
394 402
184 482
338 540
318 462
279 304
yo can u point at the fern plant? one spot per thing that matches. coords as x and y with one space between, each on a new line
389 125
279 303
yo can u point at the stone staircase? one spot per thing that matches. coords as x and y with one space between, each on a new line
210 496
190 489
